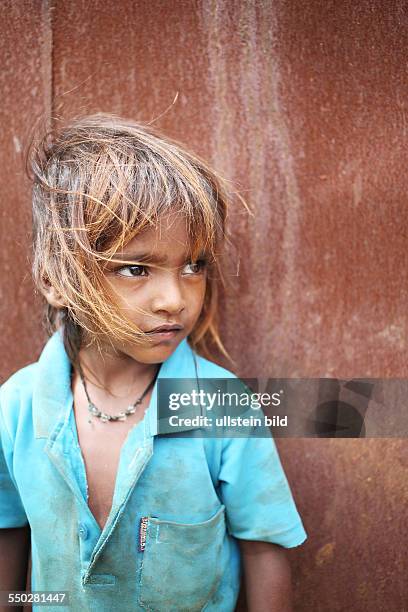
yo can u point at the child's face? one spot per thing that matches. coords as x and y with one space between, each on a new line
172 294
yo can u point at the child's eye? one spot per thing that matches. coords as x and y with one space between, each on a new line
135 271
196 267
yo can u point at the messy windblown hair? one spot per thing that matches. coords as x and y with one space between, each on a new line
98 181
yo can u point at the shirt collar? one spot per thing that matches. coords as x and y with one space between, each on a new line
52 386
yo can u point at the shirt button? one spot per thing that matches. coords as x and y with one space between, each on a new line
82 531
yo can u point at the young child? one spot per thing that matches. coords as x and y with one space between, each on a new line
128 229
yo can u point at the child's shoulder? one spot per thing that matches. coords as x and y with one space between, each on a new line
16 390
21 379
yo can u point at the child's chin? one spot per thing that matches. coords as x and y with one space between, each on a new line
157 352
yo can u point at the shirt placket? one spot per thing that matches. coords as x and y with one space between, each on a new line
64 451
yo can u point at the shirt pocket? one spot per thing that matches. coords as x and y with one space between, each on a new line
181 563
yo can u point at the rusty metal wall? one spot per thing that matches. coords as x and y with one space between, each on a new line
25 85
302 104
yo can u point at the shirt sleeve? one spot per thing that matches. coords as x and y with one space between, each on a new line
256 494
12 513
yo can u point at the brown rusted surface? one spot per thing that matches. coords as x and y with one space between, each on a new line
25 47
352 494
303 106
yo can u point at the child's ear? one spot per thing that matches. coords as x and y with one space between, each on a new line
52 296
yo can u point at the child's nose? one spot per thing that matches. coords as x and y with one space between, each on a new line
168 296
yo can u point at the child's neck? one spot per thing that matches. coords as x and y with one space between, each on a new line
118 375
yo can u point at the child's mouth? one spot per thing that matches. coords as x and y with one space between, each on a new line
167 334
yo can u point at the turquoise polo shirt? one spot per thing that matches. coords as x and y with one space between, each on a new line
179 504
